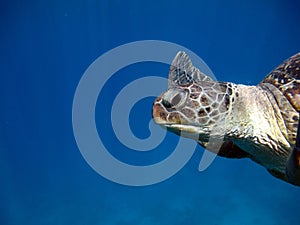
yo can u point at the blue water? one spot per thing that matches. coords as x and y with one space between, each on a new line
45 48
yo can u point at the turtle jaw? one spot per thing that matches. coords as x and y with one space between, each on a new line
188 131
177 125
176 122
184 128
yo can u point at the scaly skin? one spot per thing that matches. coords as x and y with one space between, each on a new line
253 121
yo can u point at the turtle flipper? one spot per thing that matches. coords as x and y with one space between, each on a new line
230 150
182 72
293 164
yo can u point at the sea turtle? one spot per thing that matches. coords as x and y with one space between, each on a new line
257 122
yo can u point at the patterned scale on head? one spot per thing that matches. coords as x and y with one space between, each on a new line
258 122
193 103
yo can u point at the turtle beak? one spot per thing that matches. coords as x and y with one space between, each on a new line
158 112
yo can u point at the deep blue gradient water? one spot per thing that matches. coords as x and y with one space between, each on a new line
45 48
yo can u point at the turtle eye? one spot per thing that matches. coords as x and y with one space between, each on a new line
178 98
174 98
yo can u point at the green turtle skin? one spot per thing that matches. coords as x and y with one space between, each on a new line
293 164
257 122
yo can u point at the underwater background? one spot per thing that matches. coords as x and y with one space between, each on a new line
46 46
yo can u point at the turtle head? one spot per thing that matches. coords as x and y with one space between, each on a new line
194 103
